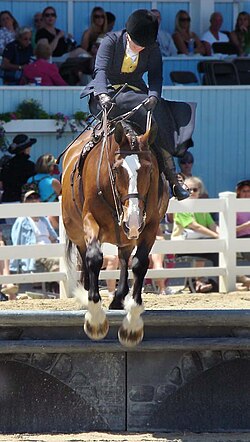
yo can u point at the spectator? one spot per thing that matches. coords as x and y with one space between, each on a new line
33 230
98 28
243 226
164 39
17 170
183 36
157 262
38 24
195 226
186 164
49 186
60 43
110 262
240 37
111 18
8 28
16 56
213 35
48 72
8 291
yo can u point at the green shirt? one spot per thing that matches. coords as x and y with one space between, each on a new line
182 221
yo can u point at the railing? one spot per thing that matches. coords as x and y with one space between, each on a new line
227 245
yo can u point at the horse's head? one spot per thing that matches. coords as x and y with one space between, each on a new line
132 170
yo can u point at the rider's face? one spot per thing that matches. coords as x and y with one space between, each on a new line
133 46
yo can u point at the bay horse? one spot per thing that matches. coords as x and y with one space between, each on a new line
113 198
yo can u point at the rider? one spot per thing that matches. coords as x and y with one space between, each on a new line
123 58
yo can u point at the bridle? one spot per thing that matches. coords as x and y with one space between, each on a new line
117 209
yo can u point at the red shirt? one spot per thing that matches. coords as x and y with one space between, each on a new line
47 71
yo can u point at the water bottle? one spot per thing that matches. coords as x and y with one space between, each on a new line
38 81
191 46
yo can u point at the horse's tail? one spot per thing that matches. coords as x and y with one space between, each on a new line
69 247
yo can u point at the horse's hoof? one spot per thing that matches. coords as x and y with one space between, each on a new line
96 332
130 338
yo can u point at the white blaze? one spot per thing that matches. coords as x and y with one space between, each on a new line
132 164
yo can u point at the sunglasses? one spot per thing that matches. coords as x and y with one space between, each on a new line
98 16
38 19
185 19
50 14
193 189
186 162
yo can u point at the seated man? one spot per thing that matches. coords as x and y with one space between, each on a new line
16 56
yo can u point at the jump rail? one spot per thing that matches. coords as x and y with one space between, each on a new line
227 245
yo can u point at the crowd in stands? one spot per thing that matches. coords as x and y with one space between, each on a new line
27 56
21 180
18 44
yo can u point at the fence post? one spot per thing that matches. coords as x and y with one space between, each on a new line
227 259
67 286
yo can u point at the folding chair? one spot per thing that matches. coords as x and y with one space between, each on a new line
183 77
243 68
225 48
221 73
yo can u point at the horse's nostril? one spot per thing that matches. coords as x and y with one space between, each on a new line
133 233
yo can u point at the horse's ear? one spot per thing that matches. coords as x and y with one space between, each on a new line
152 134
149 136
119 133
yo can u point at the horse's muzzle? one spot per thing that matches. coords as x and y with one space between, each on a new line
133 223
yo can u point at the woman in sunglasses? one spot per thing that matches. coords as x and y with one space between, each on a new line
197 226
98 28
56 37
185 40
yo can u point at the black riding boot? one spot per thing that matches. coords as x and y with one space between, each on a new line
179 190
167 166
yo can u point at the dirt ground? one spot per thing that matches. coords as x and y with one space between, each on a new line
128 437
181 301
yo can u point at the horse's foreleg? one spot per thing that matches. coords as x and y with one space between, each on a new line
96 325
131 331
122 288
84 278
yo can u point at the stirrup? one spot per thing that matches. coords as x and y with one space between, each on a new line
180 192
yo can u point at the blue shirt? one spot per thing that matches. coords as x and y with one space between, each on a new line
22 233
46 191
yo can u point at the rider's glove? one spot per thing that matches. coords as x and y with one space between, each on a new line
105 101
150 103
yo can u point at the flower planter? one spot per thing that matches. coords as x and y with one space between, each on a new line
33 126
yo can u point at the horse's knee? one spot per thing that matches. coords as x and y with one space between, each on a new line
94 257
140 264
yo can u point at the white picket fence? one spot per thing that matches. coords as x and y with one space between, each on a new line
227 245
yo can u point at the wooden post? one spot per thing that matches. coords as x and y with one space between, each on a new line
227 259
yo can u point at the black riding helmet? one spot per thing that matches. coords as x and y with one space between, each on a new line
142 26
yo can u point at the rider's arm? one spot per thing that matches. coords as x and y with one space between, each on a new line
155 72
104 59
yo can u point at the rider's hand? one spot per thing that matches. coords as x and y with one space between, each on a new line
150 103
105 101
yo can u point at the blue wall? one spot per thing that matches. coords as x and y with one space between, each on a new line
221 137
